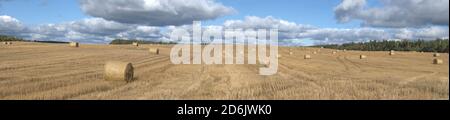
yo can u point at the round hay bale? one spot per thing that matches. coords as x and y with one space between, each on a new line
74 44
6 43
154 51
119 71
307 56
314 52
392 52
291 53
334 52
438 61
436 55
362 57
279 56
135 44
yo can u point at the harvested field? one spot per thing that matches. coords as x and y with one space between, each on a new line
57 71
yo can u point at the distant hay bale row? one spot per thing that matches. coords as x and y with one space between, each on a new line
118 71
7 43
74 44
438 61
154 51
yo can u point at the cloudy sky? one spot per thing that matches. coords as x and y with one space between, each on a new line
300 22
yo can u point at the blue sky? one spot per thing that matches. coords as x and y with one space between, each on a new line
314 12
43 11
333 21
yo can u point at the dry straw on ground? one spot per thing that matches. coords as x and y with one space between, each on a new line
37 71
118 71
438 61
154 51
74 44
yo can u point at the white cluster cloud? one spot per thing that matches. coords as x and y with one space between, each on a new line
98 30
395 13
336 36
292 31
142 32
423 33
155 12
91 30
98 26
10 25
287 30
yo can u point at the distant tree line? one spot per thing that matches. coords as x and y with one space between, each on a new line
124 41
9 38
438 45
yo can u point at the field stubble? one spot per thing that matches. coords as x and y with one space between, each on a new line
56 71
